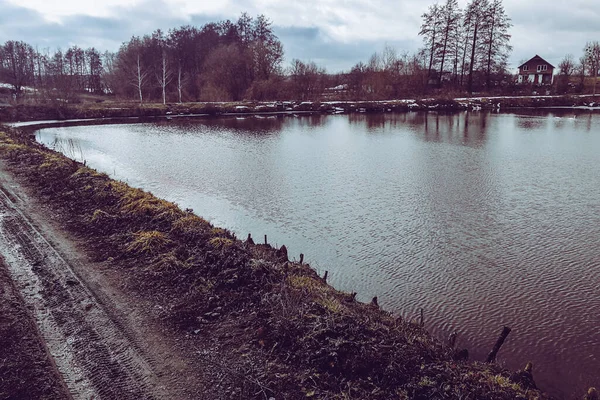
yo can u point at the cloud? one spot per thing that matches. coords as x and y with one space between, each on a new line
314 44
334 34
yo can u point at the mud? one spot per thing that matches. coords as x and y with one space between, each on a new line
102 347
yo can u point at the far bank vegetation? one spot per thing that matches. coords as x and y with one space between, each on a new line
464 51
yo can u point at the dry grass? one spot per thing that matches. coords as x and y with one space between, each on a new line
191 225
314 339
149 242
221 243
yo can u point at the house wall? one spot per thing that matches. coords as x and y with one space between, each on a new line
532 75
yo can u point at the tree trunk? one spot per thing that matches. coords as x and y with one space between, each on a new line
464 57
471 67
491 46
431 56
164 79
139 85
179 83
444 56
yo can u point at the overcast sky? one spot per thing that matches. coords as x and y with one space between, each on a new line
335 34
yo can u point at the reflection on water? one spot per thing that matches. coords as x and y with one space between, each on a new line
483 220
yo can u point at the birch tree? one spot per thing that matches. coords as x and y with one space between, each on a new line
165 76
140 78
131 68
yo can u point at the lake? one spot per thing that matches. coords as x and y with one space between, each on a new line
480 219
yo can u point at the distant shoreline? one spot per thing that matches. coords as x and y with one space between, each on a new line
88 112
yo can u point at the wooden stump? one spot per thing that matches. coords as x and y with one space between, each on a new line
492 356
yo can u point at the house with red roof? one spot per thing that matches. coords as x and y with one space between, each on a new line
536 71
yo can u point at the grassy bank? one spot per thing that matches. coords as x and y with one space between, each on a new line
285 331
112 109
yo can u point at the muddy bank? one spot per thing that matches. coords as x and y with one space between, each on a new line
276 328
116 110
26 369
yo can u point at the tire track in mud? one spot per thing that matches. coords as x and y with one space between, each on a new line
94 356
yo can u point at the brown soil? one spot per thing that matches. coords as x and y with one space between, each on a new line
27 370
103 339
168 306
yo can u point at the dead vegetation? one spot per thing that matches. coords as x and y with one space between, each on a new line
125 110
279 329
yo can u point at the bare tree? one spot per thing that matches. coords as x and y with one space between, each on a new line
140 78
475 18
581 68
165 76
109 74
180 80
495 37
431 32
17 63
94 61
307 80
567 67
592 59
451 15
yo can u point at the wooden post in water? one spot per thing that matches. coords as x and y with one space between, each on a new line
325 276
283 254
422 321
249 240
301 258
492 356
452 339
375 302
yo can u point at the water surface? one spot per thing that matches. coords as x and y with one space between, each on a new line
483 220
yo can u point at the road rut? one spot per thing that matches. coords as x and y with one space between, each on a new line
95 356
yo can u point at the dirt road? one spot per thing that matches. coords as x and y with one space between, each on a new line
102 345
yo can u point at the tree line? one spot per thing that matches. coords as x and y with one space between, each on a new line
219 61
75 70
464 50
467 48
587 65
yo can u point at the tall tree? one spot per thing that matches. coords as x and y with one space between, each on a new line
495 38
592 59
165 75
162 71
132 68
475 18
307 80
451 15
17 62
95 70
431 31
566 67
267 50
581 68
